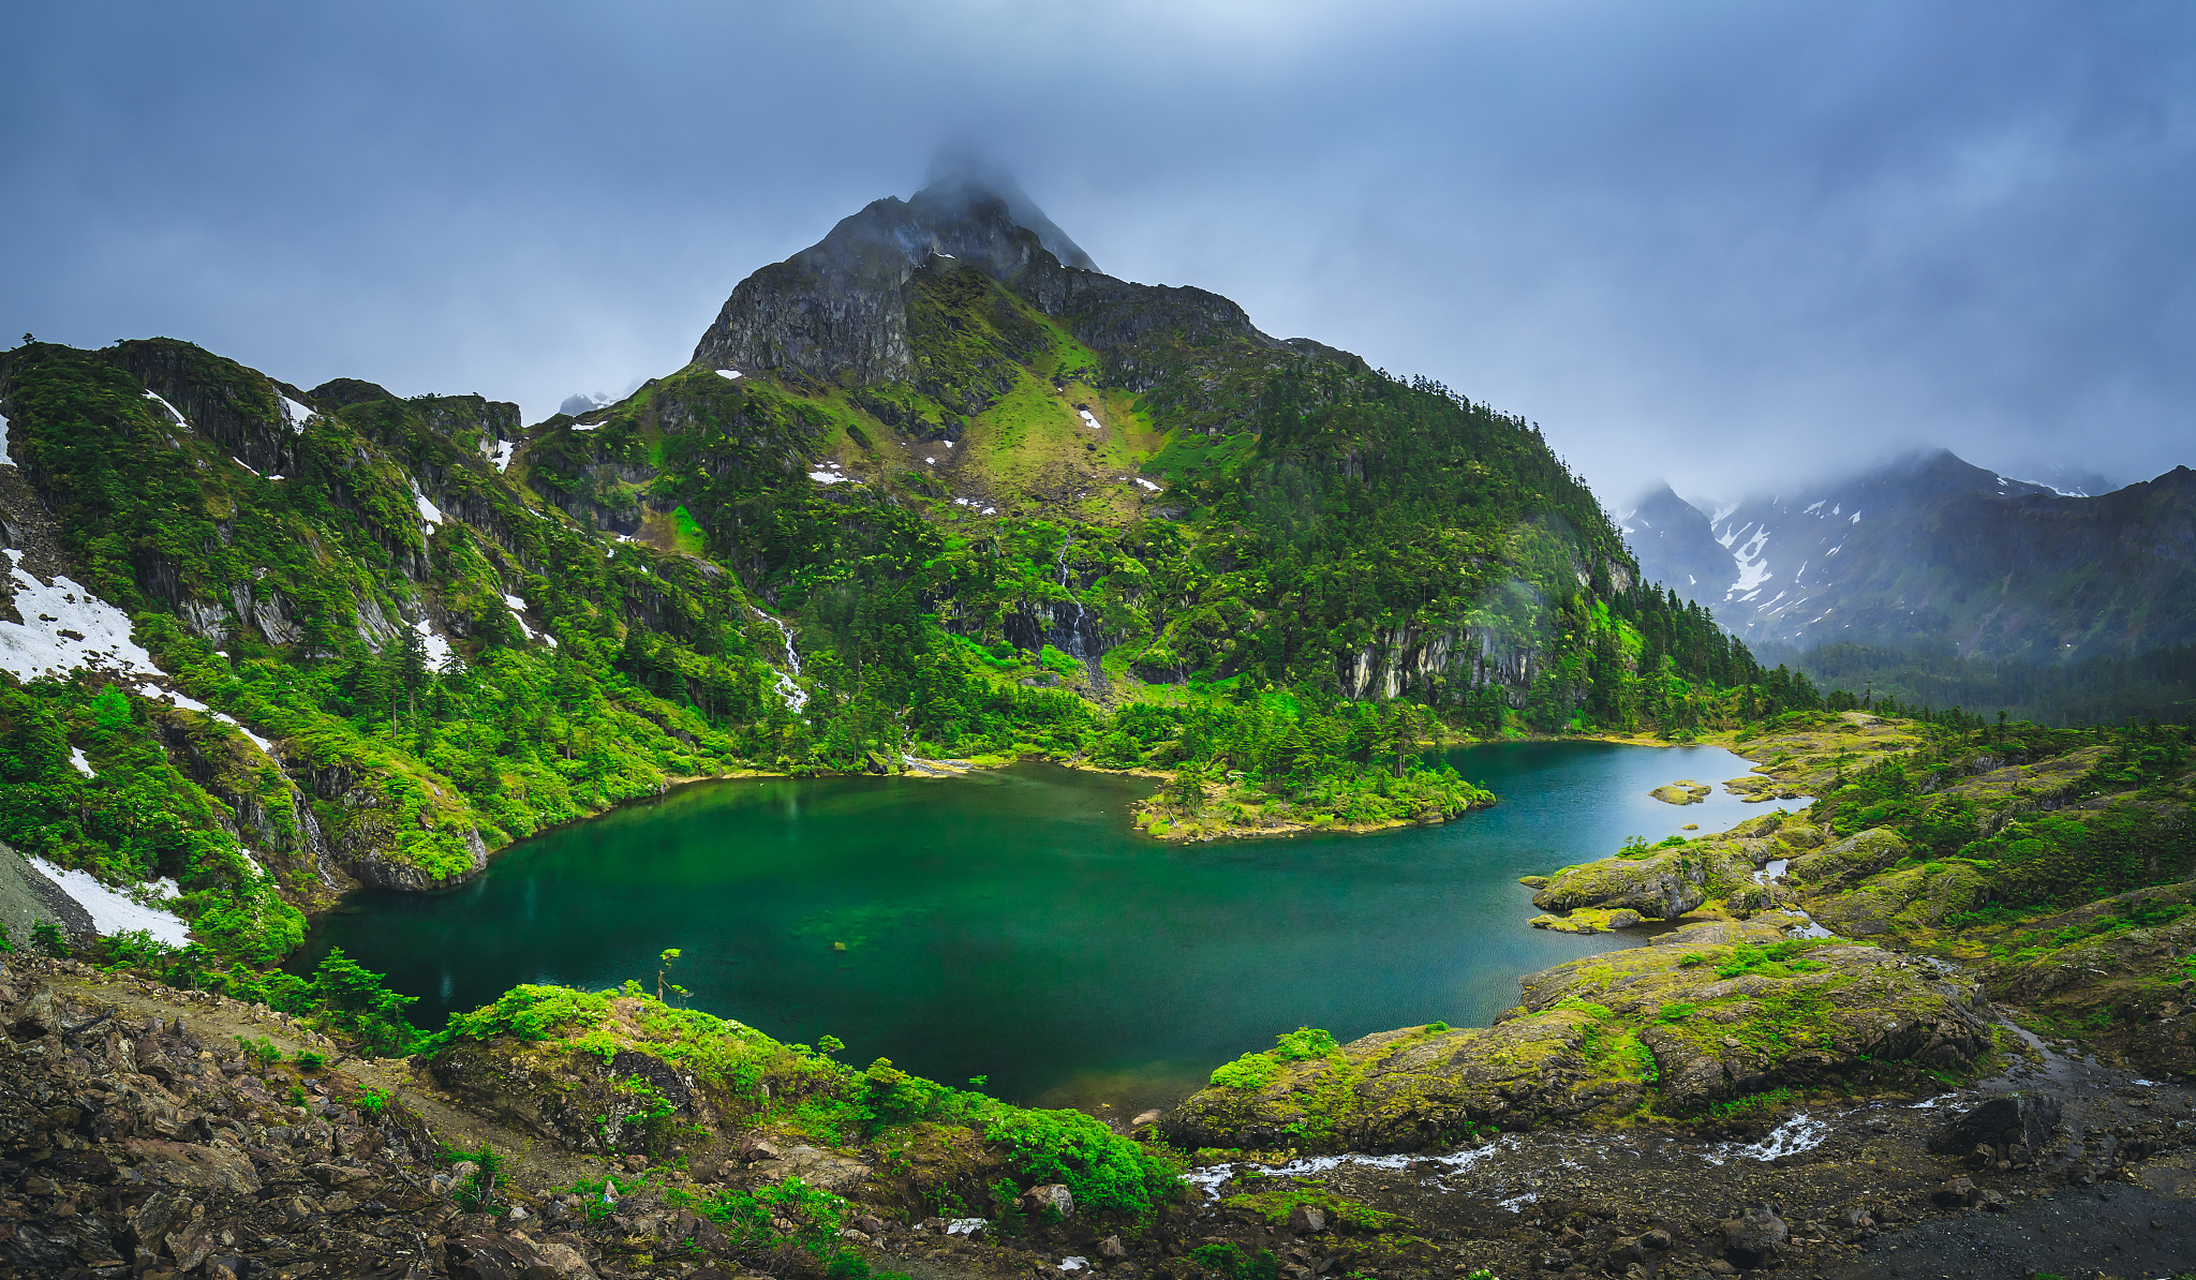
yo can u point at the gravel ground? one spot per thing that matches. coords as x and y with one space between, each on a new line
27 897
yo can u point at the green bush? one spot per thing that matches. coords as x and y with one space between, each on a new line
1102 1169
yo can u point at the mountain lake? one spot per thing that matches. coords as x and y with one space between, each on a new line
1013 925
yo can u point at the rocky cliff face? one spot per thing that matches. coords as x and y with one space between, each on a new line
1936 550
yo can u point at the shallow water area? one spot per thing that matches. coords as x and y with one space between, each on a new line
1012 925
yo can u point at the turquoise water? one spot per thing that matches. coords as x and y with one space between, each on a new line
1013 925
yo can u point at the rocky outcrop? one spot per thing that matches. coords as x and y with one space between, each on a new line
143 1143
1849 860
1667 881
1686 1024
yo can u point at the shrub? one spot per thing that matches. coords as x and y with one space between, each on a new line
478 1190
262 1053
1099 1167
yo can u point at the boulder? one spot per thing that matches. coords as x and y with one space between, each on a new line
2025 1118
1755 1236
816 1167
1049 1202
1661 887
1307 1220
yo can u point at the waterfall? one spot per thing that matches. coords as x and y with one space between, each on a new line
795 697
1075 628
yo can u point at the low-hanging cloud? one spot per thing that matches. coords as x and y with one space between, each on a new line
1721 242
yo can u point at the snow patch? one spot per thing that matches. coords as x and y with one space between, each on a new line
296 414
1091 419
81 762
4 441
266 748
65 627
112 913
733 374
518 615
438 648
1073 1263
429 514
173 412
1147 484
499 457
1753 567
155 693
826 477
966 1226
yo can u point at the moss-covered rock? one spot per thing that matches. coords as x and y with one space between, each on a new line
1908 903
1849 859
1719 1011
1666 884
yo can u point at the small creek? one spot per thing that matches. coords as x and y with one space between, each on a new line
1013 925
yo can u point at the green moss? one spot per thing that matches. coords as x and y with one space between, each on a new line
1275 1198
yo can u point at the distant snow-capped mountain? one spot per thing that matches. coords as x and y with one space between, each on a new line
1933 548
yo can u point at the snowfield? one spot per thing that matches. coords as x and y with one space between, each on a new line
112 913
64 627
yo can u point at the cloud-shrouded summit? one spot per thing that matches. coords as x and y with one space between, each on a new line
1708 242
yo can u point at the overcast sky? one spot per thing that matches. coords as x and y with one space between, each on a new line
1731 243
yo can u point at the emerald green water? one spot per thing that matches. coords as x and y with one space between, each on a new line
1013 925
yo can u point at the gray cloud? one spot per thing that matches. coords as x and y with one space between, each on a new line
1717 241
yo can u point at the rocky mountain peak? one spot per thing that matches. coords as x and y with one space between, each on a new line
837 307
